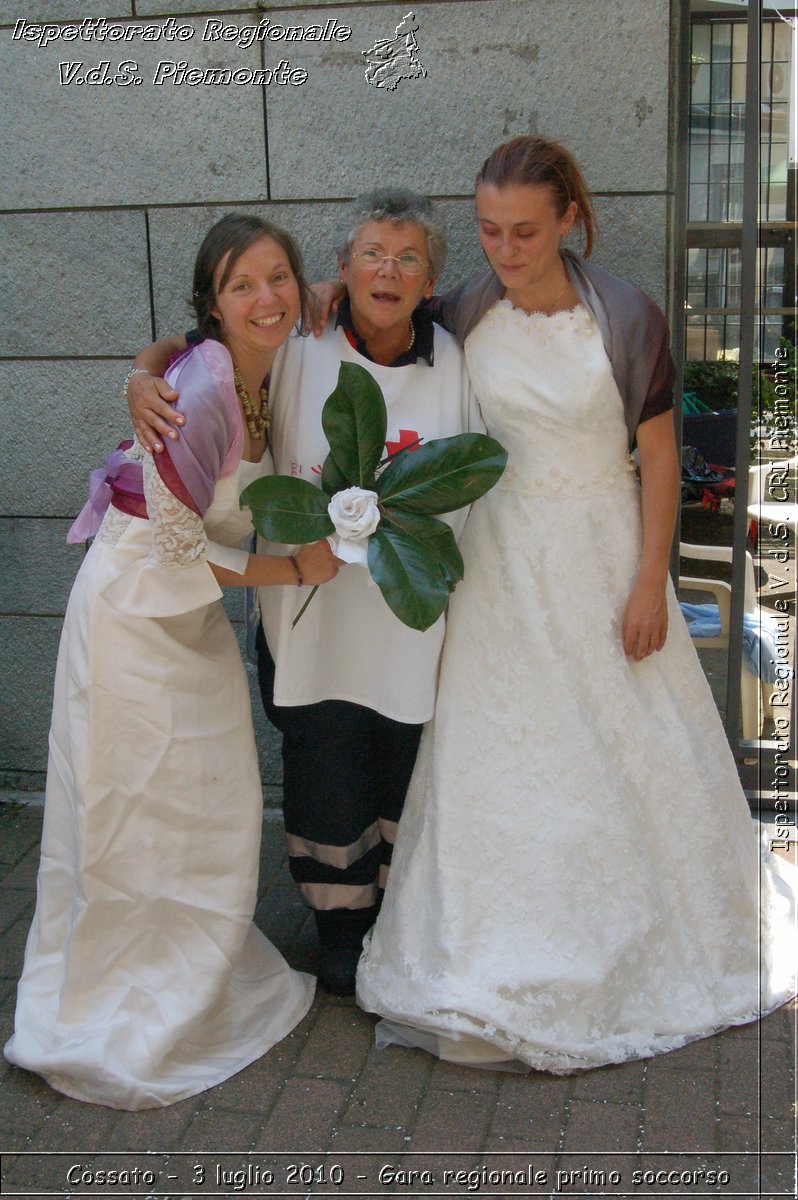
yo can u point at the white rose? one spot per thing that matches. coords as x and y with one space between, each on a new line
354 513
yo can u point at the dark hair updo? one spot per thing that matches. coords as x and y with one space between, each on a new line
232 236
535 161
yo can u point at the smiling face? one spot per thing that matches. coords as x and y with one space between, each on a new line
520 232
258 305
383 300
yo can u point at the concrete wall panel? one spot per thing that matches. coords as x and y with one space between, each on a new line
39 11
631 242
82 418
37 568
146 8
563 67
28 650
76 283
129 143
274 11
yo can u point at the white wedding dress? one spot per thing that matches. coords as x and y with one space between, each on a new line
576 879
145 980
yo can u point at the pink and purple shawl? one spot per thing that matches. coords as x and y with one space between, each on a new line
208 449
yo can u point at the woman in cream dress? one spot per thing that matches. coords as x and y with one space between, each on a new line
145 980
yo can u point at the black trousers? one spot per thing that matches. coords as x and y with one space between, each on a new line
346 770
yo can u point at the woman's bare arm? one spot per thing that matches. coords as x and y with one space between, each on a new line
645 621
315 563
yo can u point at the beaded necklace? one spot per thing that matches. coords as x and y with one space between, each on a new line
257 419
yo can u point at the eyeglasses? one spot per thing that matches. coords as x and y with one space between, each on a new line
407 264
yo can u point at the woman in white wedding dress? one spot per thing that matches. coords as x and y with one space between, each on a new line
145 980
576 879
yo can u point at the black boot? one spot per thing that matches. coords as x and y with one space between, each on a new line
341 933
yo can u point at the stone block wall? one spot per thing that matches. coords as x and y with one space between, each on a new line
108 187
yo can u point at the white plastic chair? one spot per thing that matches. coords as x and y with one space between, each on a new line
754 693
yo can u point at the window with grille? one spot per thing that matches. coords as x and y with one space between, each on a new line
718 55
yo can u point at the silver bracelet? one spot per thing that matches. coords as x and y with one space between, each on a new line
133 371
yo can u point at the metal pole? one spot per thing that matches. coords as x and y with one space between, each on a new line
678 231
749 305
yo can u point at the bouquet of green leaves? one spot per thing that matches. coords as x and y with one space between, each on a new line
412 557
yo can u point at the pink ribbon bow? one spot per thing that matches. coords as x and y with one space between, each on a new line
90 517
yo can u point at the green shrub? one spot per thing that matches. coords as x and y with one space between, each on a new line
715 383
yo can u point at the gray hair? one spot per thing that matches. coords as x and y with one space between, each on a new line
396 205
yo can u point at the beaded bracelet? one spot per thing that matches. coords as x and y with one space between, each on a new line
133 371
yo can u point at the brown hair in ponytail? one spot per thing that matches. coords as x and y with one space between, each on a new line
535 161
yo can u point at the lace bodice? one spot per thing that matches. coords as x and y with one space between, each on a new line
547 392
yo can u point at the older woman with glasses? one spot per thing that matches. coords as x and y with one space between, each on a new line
351 687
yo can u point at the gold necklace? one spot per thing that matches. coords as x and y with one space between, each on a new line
257 419
549 308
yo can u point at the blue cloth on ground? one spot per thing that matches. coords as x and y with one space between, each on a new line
760 636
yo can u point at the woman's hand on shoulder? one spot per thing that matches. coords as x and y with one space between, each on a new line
328 295
150 398
645 619
151 403
316 562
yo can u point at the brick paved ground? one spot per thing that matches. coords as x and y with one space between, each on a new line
726 1103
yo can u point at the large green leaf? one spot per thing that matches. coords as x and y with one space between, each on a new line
287 510
355 424
443 475
433 534
332 480
408 575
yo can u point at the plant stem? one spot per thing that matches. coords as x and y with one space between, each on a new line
304 606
